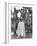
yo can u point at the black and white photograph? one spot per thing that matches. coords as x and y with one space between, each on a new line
18 23
21 22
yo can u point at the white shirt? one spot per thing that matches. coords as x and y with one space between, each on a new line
21 29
